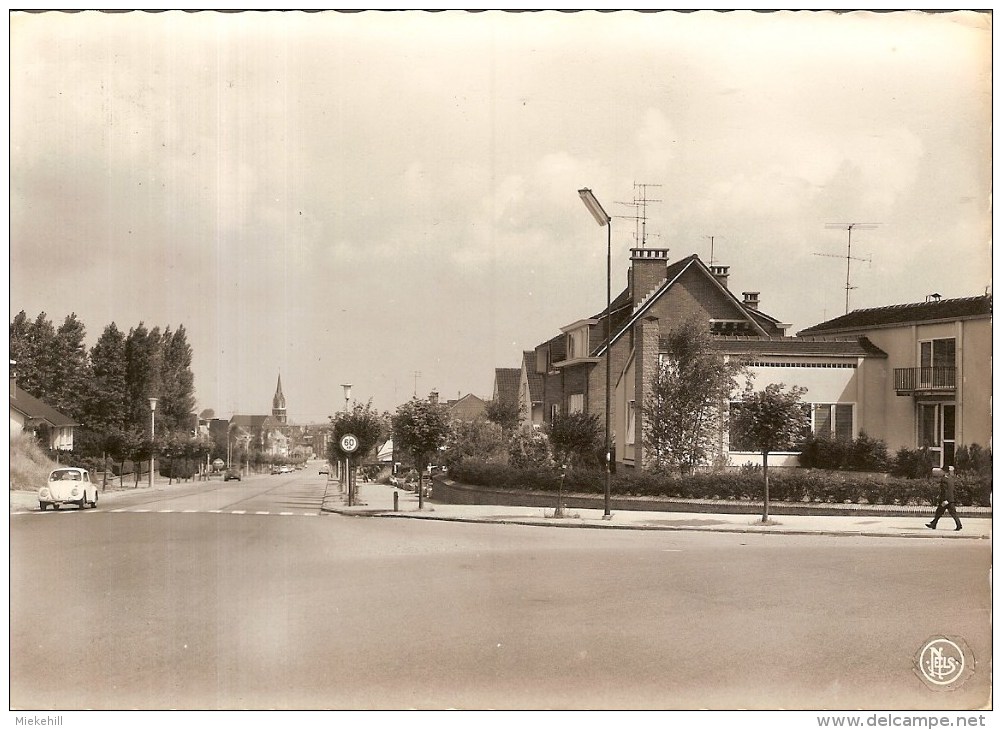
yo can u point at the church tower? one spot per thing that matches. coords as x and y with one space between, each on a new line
278 403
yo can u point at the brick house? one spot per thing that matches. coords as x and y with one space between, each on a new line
570 368
28 414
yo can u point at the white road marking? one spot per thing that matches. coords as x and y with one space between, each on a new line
190 511
165 511
238 512
286 514
215 511
140 510
262 513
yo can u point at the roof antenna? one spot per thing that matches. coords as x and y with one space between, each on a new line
639 204
848 253
711 248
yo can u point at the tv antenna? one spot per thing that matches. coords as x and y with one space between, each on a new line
849 258
711 247
416 374
639 204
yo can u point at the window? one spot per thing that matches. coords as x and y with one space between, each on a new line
938 361
631 422
576 404
554 412
832 420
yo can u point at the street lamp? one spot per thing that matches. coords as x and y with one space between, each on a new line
153 435
604 219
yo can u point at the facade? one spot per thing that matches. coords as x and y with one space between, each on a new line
467 408
935 390
837 372
506 385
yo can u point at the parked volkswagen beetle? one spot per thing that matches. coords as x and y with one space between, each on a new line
68 485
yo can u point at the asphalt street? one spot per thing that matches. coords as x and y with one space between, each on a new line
243 595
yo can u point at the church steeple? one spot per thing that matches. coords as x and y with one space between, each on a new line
278 403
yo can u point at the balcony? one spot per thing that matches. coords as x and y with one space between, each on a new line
925 381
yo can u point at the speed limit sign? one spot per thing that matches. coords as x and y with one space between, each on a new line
349 442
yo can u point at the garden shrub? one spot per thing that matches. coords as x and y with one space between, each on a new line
792 485
859 454
912 464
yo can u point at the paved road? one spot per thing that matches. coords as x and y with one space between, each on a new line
222 607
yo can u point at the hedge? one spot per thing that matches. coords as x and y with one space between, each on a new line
792 485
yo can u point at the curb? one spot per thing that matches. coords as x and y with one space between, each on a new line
642 527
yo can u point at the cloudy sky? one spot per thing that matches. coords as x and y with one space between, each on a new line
362 197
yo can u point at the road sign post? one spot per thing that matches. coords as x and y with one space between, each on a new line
349 444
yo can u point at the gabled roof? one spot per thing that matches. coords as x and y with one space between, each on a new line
506 384
534 378
622 321
802 346
901 314
34 408
468 407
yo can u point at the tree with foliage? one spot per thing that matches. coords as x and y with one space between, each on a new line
683 412
577 439
364 423
71 374
505 414
770 420
529 447
420 428
481 440
107 392
33 348
143 357
177 382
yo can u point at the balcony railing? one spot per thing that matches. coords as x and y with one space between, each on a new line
910 380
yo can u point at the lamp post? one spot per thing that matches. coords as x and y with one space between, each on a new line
604 219
153 436
346 480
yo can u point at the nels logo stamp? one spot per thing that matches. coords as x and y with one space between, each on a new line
944 662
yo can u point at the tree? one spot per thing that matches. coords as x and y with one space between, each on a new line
577 439
142 373
684 410
365 424
177 382
481 440
32 347
106 405
505 414
529 447
71 371
769 420
420 428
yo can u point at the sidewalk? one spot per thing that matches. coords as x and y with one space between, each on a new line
376 500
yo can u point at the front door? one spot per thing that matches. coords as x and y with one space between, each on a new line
937 431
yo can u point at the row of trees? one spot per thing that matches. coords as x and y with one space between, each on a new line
106 389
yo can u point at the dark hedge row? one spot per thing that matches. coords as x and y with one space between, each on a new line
785 485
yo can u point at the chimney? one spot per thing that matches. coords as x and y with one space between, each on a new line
933 298
648 269
751 299
720 273
433 397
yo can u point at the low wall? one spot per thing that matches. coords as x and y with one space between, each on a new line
447 491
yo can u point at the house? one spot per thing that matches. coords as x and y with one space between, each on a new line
531 390
506 386
936 389
467 408
660 295
31 415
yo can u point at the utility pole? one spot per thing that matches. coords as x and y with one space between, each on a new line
849 258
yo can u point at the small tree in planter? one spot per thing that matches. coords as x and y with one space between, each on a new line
421 428
770 420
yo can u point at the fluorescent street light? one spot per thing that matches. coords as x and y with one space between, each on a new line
594 207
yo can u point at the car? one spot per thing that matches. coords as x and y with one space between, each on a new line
276 469
231 474
285 469
68 485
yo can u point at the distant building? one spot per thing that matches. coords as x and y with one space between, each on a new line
467 408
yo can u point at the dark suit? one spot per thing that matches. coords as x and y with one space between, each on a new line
945 502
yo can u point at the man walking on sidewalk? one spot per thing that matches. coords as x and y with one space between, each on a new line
946 501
